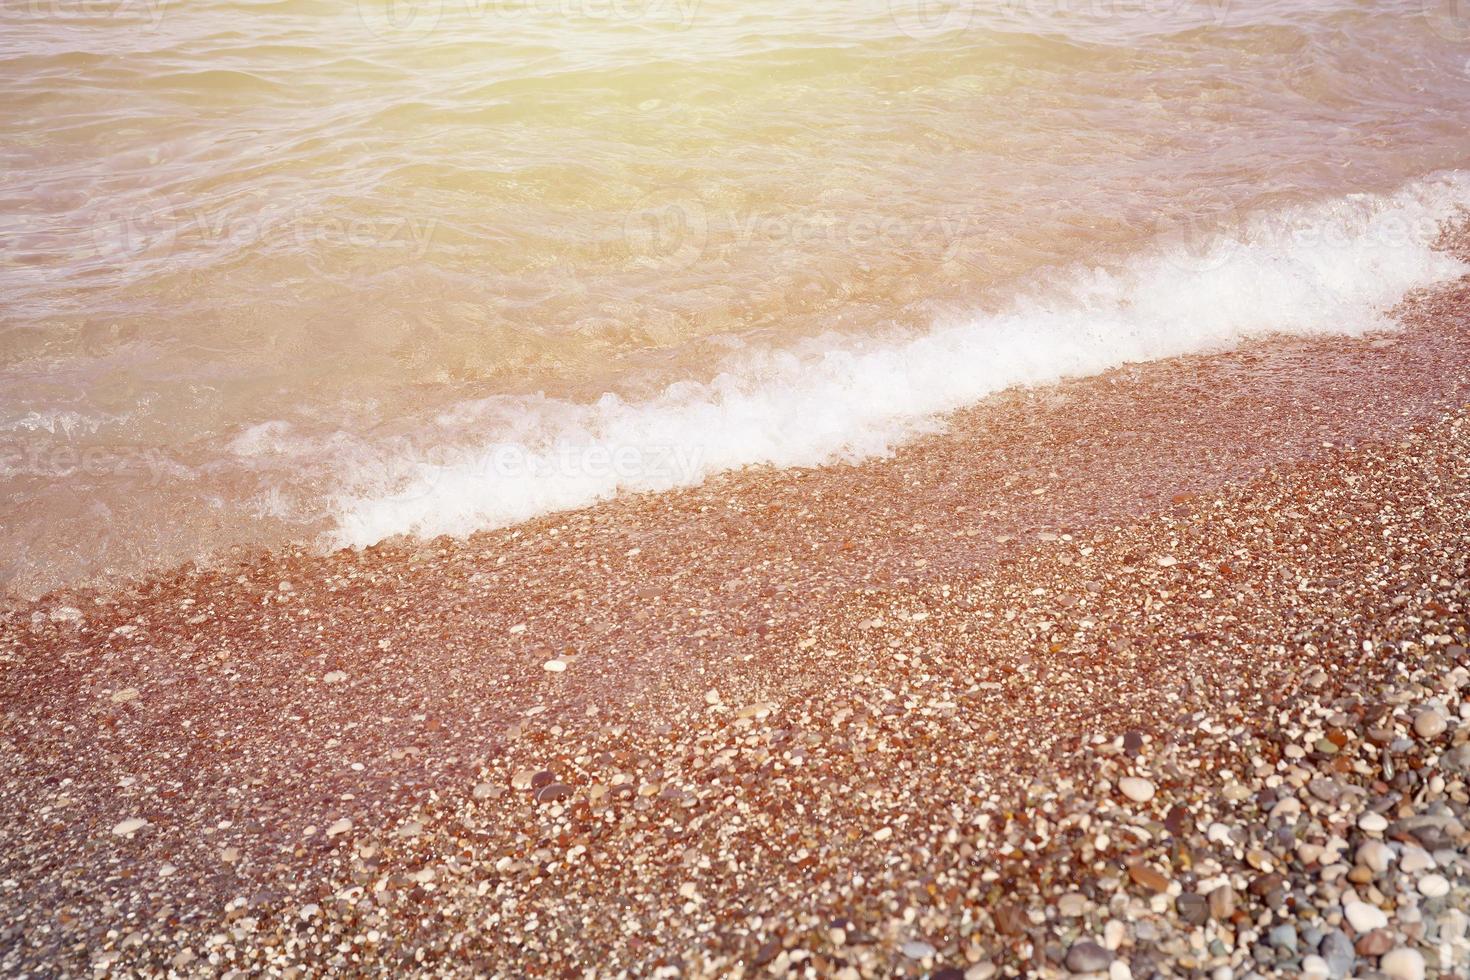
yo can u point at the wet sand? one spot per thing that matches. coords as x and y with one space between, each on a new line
788 699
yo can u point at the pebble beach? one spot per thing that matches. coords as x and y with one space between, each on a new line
1214 727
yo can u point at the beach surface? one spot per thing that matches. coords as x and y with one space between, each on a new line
1023 697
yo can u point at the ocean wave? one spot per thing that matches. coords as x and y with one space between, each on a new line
1332 268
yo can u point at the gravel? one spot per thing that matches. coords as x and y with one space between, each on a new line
1003 767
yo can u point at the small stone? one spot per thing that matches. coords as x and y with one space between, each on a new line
1434 886
554 666
1283 937
1086 956
553 793
125 695
1148 878
1402 964
340 827
1192 908
129 826
1429 723
1072 904
1374 854
335 677
1337 950
917 949
1364 917
1415 859
230 855
1136 788
1222 902
1373 822
1375 943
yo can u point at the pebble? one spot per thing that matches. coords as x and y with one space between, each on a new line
1373 822
554 666
1374 943
125 695
917 949
1415 859
335 677
1337 951
1434 886
553 793
1283 937
1136 788
1192 908
1402 964
1222 902
131 825
340 827
1376 855
1071 905
1148 878
1086 956
1429 723
1364 917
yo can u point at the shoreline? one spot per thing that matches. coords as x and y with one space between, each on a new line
359 694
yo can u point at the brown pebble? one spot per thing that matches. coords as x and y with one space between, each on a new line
1148 878
1222 902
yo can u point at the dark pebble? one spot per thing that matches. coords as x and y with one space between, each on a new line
553 793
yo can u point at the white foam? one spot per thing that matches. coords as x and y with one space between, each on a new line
1330 269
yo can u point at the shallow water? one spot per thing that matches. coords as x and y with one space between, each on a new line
331 272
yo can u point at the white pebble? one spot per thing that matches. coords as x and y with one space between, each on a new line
1375 854
129 826
1415 859
1402 964
1429 723
1136 788
1365 917
554 666
1434 886
1373 823
1315 967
